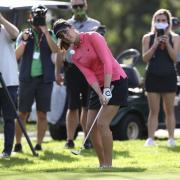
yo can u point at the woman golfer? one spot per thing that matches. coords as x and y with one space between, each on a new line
92 56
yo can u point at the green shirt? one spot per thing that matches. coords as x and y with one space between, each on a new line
36 67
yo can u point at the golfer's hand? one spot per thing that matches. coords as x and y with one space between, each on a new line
106 96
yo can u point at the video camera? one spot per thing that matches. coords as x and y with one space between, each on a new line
38 14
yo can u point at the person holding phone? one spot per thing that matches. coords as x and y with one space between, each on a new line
159 50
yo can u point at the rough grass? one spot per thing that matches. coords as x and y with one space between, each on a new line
131 160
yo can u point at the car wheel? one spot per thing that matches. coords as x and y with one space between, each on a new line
129 128
57 133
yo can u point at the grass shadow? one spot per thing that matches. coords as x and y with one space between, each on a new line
173 149
49 155
15 161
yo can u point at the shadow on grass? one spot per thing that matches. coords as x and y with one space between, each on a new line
49 155
15 161
173 149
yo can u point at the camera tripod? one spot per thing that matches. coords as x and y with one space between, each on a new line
9 99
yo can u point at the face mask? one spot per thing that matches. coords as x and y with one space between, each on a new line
160 25
80 13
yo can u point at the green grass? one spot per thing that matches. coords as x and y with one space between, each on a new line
131 160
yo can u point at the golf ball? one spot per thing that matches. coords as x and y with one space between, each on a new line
72 51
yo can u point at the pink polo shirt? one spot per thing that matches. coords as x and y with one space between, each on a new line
94 59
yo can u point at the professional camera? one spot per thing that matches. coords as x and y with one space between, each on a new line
38 14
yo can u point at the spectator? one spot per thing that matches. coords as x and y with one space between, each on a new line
36 73
176 25
176 29
90 53
77 86
159 49
9 72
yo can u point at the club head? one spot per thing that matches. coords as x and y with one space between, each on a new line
76 152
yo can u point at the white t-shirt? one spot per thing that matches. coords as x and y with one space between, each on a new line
8 62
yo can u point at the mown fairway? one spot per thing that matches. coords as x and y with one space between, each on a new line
131 160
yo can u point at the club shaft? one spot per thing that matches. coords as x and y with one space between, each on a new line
17 116
97 116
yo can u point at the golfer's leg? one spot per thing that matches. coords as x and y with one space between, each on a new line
95 136
108 112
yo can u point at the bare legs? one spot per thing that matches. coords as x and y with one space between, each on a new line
41 126
168 105
154 106
101 134
72 120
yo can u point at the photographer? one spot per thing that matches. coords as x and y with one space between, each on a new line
35 47
9 72
159 50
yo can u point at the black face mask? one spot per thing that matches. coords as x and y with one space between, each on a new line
39 21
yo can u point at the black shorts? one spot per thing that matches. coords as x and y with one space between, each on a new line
154 83
36 90
119 95
77 87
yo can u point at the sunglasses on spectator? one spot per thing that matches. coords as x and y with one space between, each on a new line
78 6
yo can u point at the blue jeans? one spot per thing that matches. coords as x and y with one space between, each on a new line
9 116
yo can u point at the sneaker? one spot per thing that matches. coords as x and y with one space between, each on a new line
69 144
18 148
149 142
4 155
171 142
38 147
88 144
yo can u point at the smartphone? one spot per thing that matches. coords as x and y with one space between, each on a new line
160 32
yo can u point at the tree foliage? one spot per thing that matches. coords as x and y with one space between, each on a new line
128 20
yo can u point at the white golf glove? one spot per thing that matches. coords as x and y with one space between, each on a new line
107 93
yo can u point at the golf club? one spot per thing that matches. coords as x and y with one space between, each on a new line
77 152
18 119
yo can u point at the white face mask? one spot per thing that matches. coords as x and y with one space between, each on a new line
160 25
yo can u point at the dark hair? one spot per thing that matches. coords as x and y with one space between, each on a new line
59 25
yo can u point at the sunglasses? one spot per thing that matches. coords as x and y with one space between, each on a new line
78 6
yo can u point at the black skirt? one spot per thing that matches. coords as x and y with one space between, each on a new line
119 95
160 84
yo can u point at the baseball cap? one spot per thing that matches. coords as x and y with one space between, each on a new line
60 25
